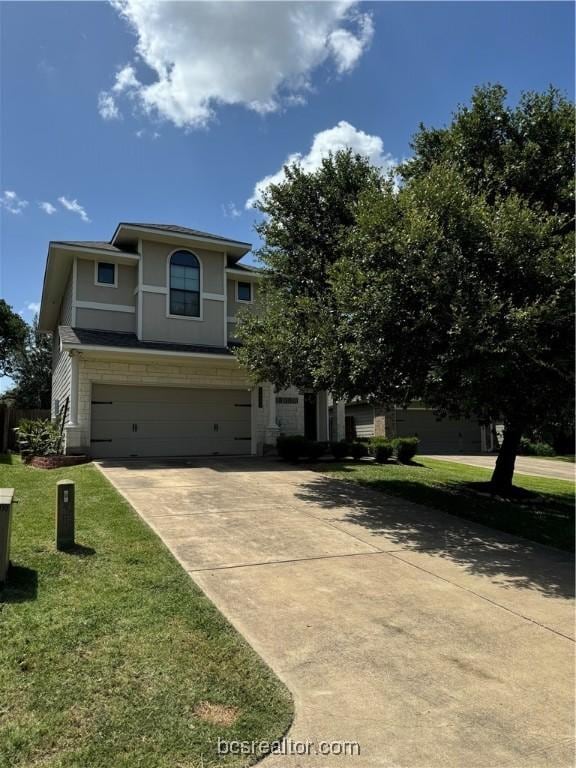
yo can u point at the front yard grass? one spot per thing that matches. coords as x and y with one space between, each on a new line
109 655
548 519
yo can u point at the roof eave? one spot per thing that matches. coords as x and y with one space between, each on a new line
235 248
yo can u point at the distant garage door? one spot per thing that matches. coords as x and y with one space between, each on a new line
164 421
439 436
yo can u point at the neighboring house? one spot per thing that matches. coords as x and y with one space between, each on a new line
436 435
143 330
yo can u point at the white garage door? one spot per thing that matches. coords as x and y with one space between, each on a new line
168 421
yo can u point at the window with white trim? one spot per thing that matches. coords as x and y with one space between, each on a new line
243 291
105 273
184 284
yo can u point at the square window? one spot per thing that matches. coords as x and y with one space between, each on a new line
106 273
244 291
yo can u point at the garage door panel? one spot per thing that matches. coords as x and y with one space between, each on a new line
439 436
162 421
171 412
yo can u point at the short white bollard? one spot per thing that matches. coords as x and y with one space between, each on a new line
6 496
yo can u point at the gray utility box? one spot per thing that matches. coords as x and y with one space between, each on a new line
6 496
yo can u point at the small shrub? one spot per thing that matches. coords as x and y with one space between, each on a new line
382 451
358 450
38 437
405 448
314 450
340 450
529 448
292 447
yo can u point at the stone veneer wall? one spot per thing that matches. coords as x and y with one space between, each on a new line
198 373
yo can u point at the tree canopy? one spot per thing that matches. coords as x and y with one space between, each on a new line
32 370
453 286
12 337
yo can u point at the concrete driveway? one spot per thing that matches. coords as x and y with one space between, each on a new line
430 642
525 465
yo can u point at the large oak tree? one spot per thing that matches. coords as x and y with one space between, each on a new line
455 287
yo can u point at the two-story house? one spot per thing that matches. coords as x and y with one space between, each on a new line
143 331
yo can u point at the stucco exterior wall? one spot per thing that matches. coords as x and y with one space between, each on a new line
157 326
105 320
233 305
87 290
155 266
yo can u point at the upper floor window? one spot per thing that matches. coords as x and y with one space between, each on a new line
243 291
105 273
184 284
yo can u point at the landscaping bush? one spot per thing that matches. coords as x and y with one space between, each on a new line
314 450
340 450
294 447
38 437
358 450
381 448
405 448
529 448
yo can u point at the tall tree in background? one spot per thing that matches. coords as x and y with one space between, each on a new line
12 337
32 370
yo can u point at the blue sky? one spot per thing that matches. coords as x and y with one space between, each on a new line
144 148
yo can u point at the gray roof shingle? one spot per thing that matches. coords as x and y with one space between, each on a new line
181 230
129 341
98 244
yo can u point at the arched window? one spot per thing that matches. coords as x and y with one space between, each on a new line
184 284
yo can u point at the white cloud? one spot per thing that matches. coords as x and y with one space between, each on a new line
47 208
11 202
107 107
347 47
142 133
74 206
230 211
259 55
342 136
33 306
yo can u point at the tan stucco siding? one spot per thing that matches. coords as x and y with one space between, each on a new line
233 305
157 326
105 320
155 266
65 317
87 290
197 373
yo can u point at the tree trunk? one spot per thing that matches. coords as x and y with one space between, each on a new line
504 469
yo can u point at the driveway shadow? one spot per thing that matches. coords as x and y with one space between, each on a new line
510 561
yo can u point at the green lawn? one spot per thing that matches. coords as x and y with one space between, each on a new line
548 519
109 655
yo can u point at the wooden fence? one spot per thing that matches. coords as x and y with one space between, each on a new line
10 418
